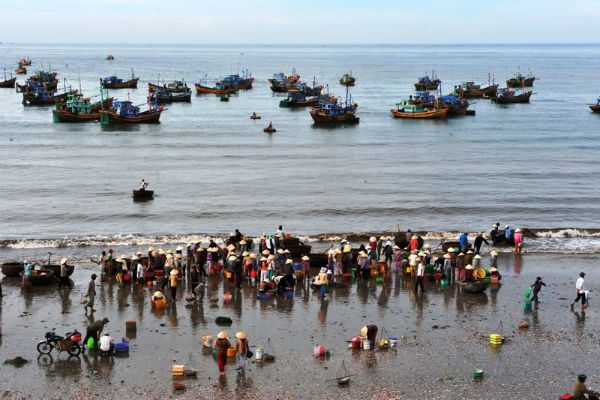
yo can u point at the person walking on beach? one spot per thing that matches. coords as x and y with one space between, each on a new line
91 295
321 280
580 290
64 274
420 276
241 347
222 344
537 287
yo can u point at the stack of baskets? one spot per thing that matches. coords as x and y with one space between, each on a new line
177 371
496 339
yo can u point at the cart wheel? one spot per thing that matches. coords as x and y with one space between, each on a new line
75 350
44 347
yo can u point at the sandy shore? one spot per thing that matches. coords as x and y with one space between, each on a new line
443 338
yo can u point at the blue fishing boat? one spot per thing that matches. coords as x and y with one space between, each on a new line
243 82
125 112
427 83
112 82
456 106
335 113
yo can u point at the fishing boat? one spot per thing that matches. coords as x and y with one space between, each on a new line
518 80
46 98
20 70
25 61
79 109
224 97
595 107
112 82
109 57
243 82
423 98
334 114
174 87
165 96
125 112
269 129
474 287
34 86
143 194
219 88
426 83
506 96
408 109
8 82
469 90
456 106
348 79
43 76
41 277
297 99
281 78
14 269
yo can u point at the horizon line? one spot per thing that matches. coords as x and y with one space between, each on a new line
310 44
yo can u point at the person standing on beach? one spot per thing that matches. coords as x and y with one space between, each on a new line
518 239
173 281
580 290
64 274
91 295
222 344
464 242
537 286
322 281
109 264
420 276
479 240
103 266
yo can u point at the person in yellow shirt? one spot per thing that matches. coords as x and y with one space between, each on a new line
322 281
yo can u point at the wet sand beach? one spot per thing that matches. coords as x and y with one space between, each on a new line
443 338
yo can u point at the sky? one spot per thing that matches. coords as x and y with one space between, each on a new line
300 21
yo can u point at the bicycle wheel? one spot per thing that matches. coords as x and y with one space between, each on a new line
44 347
75 350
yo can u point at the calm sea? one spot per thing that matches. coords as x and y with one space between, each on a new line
213 169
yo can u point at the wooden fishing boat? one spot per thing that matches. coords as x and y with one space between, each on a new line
8 83
595 107
509 97
255 116
243 82
109 57
45 98
425 83
474 287
469 90
456 106
164 96
32 86
173 87
143 194
43 76
281 78
333 116
20 70
297 99
519 80
79 109
219 88
25 61
66 115
112 82
124 112
269 130
408 109
42 277
15 269
224 97
348 79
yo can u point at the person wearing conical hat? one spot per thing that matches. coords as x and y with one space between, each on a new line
469 272
264 268
448 268
518 240
420 276
494 258
209 260
242 347
469 257
174 279
363 264
222 344
397 255
413 243
338 262
306 267
321 280
479 240
476 261
64 274
460 266
169 266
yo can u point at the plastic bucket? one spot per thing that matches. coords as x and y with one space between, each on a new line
393 341
480 273
355 343
366 343
231 352
526 305
259 353
121 348
91 343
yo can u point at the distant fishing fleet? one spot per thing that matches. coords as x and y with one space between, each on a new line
70 105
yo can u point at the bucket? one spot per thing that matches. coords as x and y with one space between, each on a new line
374 273
526 305
355 343
121 348
494 280
393 341
366 343
444 282
130 325
259 354
354 272
480 273
90 343
478 374
231 352
160 304
227 275
319 351
379 279
227 297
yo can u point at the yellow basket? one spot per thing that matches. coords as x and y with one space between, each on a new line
480 273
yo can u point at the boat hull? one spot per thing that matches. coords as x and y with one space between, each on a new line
68 116
429 114
205 89
297 104
9 83
147 117
489 91
153 87
130 84
425 87
14 269
42 278
30 100
323 119
173 98
474 287
143 194
521 98
595 108
49 86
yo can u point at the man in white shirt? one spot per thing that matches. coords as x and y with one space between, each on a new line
580 290
420 275
106 344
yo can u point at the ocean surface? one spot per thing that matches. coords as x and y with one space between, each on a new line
531 165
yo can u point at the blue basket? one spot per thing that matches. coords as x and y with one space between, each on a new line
264 296
121 348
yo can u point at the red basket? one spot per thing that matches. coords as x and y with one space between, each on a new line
76 338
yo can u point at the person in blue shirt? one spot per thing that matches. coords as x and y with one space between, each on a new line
26 272
464 242
508 234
